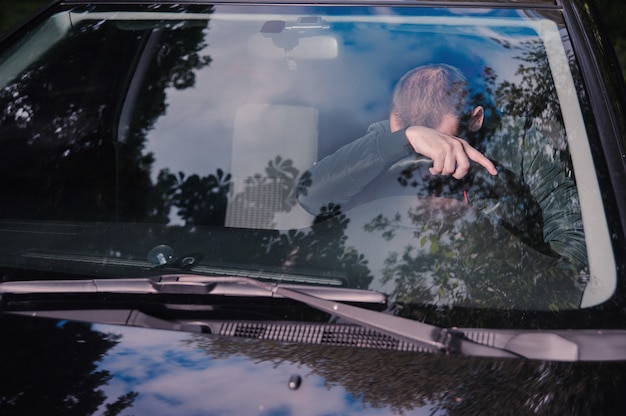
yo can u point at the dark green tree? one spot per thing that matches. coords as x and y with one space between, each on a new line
200 200
62 377
65 156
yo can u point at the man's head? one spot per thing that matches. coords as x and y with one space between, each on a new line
433 96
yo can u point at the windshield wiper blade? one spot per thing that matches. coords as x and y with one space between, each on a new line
331 300
189 284
562 345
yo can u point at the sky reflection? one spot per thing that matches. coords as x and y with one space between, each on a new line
175 377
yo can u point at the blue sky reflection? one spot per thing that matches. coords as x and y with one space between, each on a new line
175 377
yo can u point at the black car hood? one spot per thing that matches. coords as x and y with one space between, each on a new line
65 367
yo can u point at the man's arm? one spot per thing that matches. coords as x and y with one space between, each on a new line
529 154
451 155
340 176
557 195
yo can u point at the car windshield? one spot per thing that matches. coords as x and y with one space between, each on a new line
213 140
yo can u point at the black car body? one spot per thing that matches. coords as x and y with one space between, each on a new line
158 256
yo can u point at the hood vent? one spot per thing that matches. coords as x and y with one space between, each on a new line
322 334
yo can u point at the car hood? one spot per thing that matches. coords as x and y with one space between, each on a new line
65 367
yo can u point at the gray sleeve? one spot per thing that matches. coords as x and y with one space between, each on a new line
557 195
531 156
338 177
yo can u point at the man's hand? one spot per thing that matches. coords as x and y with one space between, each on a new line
450 155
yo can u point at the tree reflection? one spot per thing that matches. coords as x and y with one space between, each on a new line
457 256
499 259
60 375
61 157
74 149
200 200
63 160
324 247
406 381
264 195
534 97
320 248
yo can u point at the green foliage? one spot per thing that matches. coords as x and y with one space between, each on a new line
613 13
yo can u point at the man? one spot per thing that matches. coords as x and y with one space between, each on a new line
428 110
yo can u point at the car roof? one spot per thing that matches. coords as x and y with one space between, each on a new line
517 3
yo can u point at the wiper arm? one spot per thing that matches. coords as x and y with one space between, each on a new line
563 345
585 345
426 336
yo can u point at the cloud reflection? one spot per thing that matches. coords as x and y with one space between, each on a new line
194 135
176 377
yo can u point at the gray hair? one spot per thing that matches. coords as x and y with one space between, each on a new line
424 95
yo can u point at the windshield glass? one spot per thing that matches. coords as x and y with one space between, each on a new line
267 142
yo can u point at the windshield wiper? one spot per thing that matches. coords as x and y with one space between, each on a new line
563 345
190 284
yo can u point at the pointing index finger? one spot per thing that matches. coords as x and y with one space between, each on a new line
479 158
